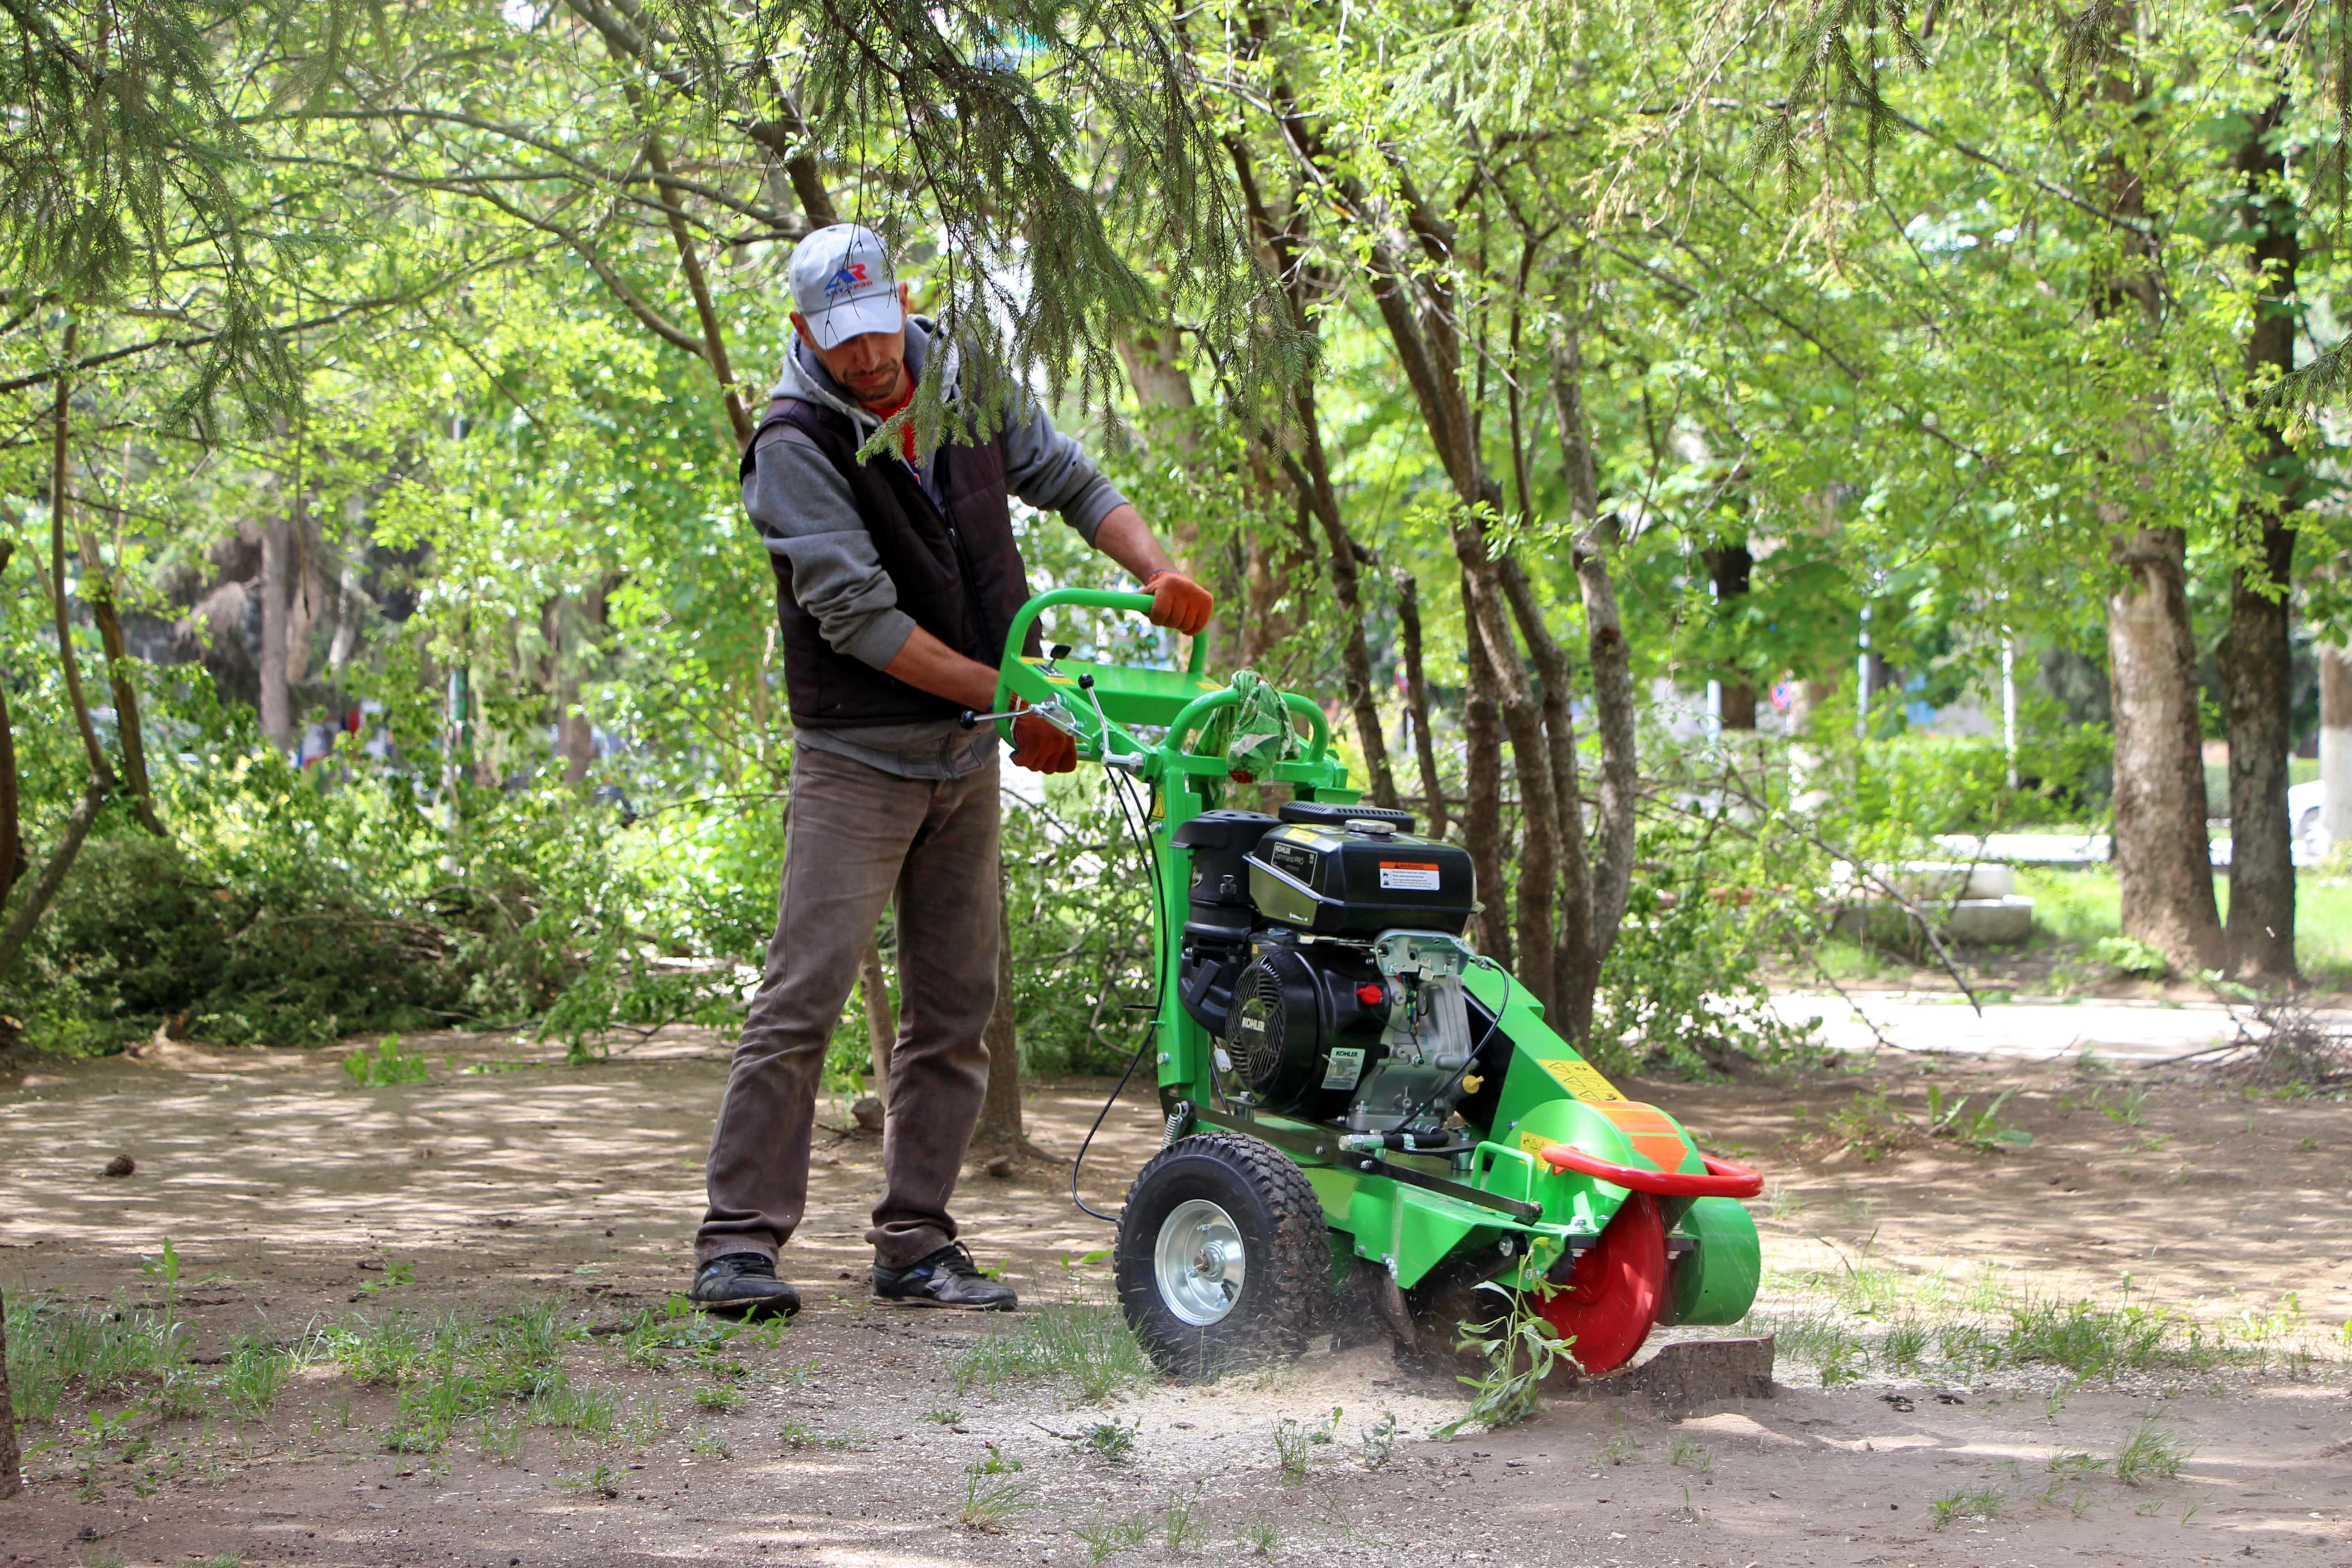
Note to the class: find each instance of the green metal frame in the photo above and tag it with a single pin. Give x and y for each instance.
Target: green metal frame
(1405, 1213)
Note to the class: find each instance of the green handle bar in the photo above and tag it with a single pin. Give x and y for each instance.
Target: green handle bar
(1318, 729)
(1093, 598)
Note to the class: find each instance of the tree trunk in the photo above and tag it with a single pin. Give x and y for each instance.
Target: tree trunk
(1424, 744)
(881, 1020)
(2334, 748)
(97, 580)
(1732, 567)
(1571, 950)
(12, 824)
(2254, 657)
(277, 585)
(576, 733)
(101, 772)
(44, 890)
(1482, 783)
(12, 1471)
(1000, 1131)
(1314, 480)
(2162, 859)
(1533, 927)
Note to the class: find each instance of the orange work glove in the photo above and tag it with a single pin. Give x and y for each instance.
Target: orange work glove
(1042, 747)
(1178, 601)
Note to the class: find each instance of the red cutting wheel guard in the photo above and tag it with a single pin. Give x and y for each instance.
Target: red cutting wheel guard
(1614, 1293)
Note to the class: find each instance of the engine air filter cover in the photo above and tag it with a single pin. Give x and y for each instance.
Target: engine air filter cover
(1361, 879)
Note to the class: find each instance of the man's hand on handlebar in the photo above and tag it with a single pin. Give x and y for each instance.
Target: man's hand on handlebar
(1042, 746)
(1178, 603)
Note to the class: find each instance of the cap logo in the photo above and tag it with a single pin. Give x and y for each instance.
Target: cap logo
(851, 277)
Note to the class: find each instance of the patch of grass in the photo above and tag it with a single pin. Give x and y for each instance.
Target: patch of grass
(1829, 1344)
(587, 1411)
(1376, 1445)
(2074, 1466)
(1259, 1536)
(2095, 1342)
(388, 1065)
(255, 1374)
(1690, 1454)
(1970, 1503)
(1086, 1349)
(448, 1368)
(718, 1397)
(1906, 1346)
(711, 1445)
(1616, 1449)
(1185, 1520)
(797, 1437)
(1295, 1443)
(100, 1351)
(1111, 1440)
(944, 1417)
(395, 1275)
(656, 1334)
(503, 1437)
(2150, 1452)
(1107, 1538)
(989, 1501)
(1867, 1127)
(603, 1482)
(1982, 1130)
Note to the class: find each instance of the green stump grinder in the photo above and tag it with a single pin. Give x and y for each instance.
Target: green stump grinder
(1364, 1114)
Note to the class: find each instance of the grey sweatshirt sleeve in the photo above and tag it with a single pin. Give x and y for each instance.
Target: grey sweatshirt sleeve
(1053, 473)
(802, 509)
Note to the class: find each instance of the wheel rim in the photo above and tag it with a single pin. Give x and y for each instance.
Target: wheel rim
(1198, 1262)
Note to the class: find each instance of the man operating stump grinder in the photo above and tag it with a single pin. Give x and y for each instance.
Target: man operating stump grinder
(897, 579)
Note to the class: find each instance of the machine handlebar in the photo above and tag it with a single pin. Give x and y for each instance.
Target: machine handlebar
(1091, 598)
(1722, 1180)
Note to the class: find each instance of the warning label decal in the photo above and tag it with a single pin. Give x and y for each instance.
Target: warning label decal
(1413, 875)
(1580, 1079)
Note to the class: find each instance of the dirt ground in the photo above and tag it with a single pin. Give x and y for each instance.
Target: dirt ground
(297, 1199)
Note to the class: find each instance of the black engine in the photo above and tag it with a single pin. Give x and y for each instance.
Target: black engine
(1321, 952)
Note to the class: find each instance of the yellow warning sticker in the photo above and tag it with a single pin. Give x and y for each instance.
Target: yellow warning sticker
(1580, 1079)
(1536, 1142)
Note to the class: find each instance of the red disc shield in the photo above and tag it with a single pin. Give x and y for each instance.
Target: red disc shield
(1614, 1294)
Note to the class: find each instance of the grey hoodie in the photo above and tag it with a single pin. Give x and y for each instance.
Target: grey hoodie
(806, 517)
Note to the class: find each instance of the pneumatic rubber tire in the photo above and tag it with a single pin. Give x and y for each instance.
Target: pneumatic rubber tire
(1247, 1196)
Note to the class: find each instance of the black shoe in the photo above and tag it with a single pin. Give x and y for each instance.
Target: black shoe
(948, 1278)
(744, 1285)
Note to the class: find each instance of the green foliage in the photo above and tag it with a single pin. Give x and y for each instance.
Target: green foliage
(2132, 956)
(1982, 1130)
(388, 1063)
(1295, 1443)
(2150, 1452)
(1519, 1348)
(1087, 1351)
(1967, 1502)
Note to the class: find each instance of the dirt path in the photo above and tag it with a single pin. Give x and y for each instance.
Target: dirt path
(296, 1200)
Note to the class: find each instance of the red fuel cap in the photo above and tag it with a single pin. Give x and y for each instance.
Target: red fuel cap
(1371, 995)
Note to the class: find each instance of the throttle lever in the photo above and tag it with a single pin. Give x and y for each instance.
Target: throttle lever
(1054, 713)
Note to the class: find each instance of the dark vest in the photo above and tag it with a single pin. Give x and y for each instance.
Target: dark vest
(958, 575)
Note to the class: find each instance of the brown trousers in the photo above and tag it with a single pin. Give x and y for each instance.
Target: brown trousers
(856, 835)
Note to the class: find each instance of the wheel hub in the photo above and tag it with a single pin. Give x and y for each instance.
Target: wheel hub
(1198, 1262)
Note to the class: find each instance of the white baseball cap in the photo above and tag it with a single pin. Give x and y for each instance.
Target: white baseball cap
(843, 284)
